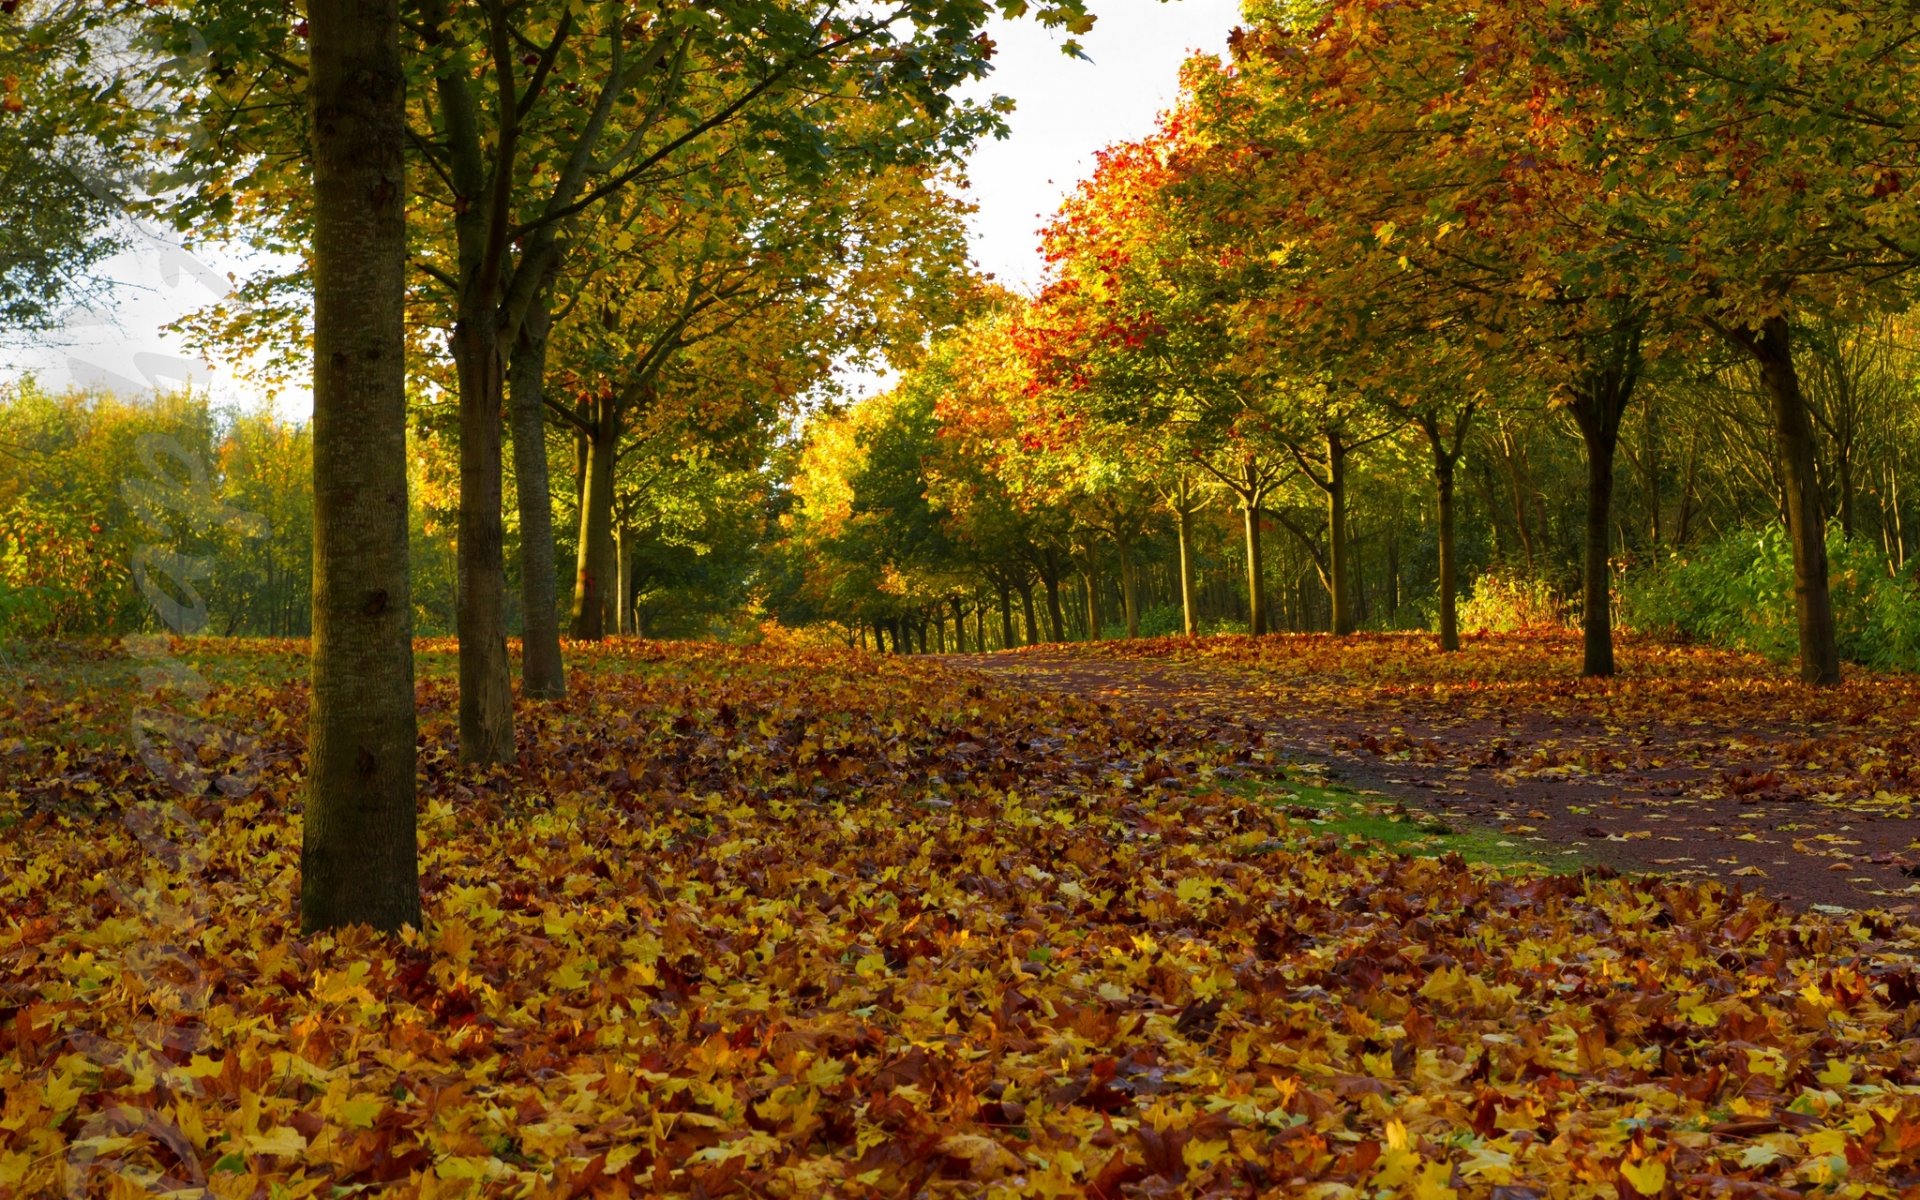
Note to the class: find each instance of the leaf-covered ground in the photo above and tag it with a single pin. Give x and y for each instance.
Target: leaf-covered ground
(1690, 762)
(785, 923)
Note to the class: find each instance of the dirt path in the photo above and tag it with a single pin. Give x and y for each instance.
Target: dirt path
(1686, 797)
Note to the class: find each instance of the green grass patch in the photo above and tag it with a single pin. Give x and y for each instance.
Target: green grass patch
(1369, 821)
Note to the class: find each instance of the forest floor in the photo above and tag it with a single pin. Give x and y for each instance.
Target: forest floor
(797, 922)
(1689, 762)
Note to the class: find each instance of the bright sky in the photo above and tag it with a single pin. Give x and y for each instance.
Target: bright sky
(1066, 110)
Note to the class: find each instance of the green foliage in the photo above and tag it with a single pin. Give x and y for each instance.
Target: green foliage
(1738, 591)
(1165, 620)
(216, 504)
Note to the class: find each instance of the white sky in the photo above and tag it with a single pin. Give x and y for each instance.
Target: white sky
(1066, 110)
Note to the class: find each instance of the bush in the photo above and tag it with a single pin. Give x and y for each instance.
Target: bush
(1509, 603)
(1738, 592)
(1168, 620)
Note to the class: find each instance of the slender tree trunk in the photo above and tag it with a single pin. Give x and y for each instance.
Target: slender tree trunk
(1771, 345)
(1597, 617)
(623, 571)
(1189, 619)
(1056, 620)
(594, 574)
(1337, 549)
(1449, 583)
(486, 695)
(1006, 617)
(1256, 600)
(1093, 604)
(1026, 610)
(1393, 577)
(542, 670)
(980, 621)
(1129, 587)
(959, 625)
(358, 855)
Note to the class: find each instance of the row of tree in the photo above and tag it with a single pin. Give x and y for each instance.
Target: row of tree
(1400, 234)
(647, 228)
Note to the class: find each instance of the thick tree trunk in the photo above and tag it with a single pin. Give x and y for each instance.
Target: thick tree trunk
(1026, 610)
(358, 854)
(542, 670)
(595, 567)
(1189, 619)
(1256, 601)
(1337, 547)
(1449, 583)
(1771, 345)
(959, 625)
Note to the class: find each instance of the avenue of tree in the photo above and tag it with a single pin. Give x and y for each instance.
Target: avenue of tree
(1403, 316)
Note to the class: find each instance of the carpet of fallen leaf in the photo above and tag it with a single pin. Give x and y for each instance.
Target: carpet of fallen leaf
(780, 922)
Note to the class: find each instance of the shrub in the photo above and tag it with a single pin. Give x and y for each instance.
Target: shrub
(1501, 603)
(1738, 591)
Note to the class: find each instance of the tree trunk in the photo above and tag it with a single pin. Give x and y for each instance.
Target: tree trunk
(623, 572)
(486, 694)
(1189, 619)
(1050, 578)
(959, 625)
(358, 853)
(542, 670)
(1601, 395)
(1339, 585)
(1256, 602)
(1129, 587)
(1026, 610)
(1093, 604)
(1771, 345)
(1006, 617)
(595, 567)
(1449, 584)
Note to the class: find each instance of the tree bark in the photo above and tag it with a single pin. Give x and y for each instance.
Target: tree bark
(486, 694)
(359, 854)
(1050, 577)
(595, 567)
(1006, 617)
(1129, 587)
(1093, 605)
(543, 673)
(1449, 583)
(1189, 620)
(1027, 611)
(1337, 548)
(1600, 399)
(959, 625)
(1772, 347)
(623, 573)
(1256, 601)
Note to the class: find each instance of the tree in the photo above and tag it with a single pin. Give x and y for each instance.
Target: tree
(358, 858)
(61, 152)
